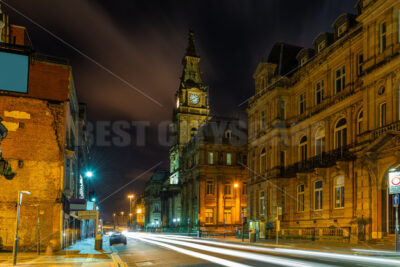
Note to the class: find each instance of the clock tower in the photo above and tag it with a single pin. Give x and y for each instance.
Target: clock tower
(191, 107)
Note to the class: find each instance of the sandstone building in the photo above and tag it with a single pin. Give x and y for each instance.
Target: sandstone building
(323, 130)
(214, 176)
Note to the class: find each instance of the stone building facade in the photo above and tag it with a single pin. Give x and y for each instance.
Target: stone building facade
(152, 199)
(324, 130)
(41, 148)
(214, 177)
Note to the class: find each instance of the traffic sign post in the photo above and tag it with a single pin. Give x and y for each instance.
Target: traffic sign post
(396, 232)
(394, 189)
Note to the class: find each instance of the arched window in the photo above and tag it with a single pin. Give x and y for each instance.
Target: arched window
(320, 142)
(300, 198)
(339, 192)
(360, 118)
(318, 195)
(262, 160)
(303, 151)
(228, 134)
(341, 134)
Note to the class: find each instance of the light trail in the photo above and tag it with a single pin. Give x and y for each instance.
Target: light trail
(233, 253)
(292, 252)
(195, 254)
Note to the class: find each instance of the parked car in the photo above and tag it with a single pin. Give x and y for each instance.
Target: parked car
(118, 238)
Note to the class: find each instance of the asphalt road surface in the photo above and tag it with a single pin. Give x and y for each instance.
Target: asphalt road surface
(170, 250)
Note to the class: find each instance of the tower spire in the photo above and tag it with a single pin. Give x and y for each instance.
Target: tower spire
(191, 50)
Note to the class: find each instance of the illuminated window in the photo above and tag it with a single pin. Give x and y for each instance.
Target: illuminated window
(262, 203)
(228, 159)
(209, 216)
(318, 195)
(228, 216)
(339, 192)
(382, 37)
(228, 189)
(302, 103)
(341, 134)
(300, 198)
(382, 114)
(210, 187)
(319, 92)
(320, 142)
(210, 158)
(339, 79)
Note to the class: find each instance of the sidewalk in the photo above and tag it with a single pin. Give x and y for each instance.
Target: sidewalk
(82, 253)
(326, 246)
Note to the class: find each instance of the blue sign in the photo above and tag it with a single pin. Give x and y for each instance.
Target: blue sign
(14, 70)
(396, 200)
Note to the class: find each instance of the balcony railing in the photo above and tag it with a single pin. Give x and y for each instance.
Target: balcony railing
(325, 160)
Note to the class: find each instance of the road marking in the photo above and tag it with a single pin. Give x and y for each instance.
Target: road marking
(196, 254)
(116, 259)
(304, 253)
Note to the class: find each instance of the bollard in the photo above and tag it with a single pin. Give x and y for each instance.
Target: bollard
(98, 243)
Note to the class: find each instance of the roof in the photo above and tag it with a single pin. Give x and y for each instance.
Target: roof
(284, 56)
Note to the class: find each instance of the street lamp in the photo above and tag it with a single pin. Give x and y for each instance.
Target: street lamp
(131, 196)
(88, 174)
(114, 220)
(15, 251)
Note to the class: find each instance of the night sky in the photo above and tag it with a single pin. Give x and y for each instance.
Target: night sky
(143, 42)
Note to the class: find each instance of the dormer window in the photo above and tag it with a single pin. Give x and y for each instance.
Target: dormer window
(341, 30)
(303, 61)
(321, 46)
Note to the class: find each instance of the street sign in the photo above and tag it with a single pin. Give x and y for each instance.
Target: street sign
(394, 183)
(396, 201)
(87, 214)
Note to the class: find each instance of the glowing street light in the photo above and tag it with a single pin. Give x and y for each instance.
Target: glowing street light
(89, 174)
(93, 199)
(236, 185)
(139, 211)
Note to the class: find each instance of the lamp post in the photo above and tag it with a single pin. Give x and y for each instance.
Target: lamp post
(114, 219)
(236, 186)
(88, 174)
(15, 250)
(131, 196)
(122, 216)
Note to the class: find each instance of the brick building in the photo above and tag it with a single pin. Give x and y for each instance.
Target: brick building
(324, 130)
(45, 125)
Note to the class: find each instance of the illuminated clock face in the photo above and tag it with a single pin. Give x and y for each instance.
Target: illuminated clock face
(194, 99)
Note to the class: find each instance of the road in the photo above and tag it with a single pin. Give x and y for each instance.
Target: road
(170, 250)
